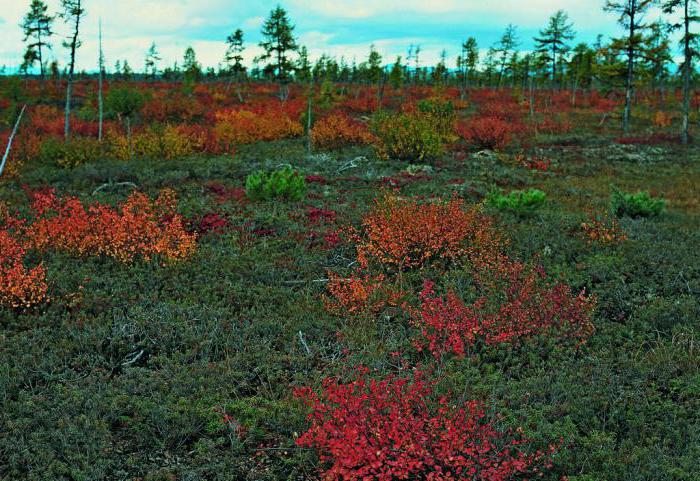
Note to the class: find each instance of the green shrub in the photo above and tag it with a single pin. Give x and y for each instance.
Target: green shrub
(406, 136)
(285, 183)
(518, 201)
(124, 102)
(76, 151)
(640, 204)
(442, 115)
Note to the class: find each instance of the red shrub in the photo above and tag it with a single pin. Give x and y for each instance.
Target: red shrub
(395, 428)
(486, 132)
(316, 215)
(318, 179)
(211, 222)
(518, 303)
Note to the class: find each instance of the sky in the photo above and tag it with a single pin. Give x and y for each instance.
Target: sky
(336, 27)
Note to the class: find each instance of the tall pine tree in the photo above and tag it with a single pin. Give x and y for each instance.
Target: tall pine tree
(36, 26)
(277, 44)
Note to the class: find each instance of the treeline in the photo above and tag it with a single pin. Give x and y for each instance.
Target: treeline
(642, 57)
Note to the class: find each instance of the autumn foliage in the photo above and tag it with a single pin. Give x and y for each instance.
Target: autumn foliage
(19, 287)
(603, 230)
(517, 302)
(138, 228)
(402, 234)
(338, 130)
(359, 294)
(236, 127)
(487, 132)
(398, 428)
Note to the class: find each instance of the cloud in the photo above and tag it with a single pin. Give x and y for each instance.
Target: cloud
(340, 28)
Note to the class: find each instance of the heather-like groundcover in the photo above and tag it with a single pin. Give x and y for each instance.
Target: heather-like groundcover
(427, 285)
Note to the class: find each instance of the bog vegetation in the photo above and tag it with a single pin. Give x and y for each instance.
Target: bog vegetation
(353, 271)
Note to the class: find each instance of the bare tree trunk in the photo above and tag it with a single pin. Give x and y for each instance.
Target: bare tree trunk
(308, 117)
(630, 77)
(9, 140)
(100, 102)
(71, 70)
(128, 137)
(686, 75)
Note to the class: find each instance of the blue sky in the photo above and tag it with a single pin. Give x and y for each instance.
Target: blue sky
(340, 27)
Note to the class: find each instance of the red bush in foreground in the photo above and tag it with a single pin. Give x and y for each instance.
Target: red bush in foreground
(395, 428)
(19, 287)
(518, 303)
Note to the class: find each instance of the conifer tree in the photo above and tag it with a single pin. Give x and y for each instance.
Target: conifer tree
(553, 40)
(36, 26)
(631, 17)
(277, 44)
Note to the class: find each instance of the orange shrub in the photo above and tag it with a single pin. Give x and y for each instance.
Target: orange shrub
(19, 287)
(662, 119)
(403, 234)
(236, 127)
(338, 130)
(140, 227)
(359, 294)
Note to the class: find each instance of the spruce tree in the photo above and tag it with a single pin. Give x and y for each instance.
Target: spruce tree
(36, 26)
(277, 44)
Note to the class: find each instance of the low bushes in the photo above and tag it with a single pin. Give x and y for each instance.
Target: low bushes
(337, 130)
(399, 428)
(406, 136)
(138, 228)
(640, 204)
(285, 183)
(157, 142)
(487, 132)
(403, 234)
(517, 302)
(236, 127)
(76, 151)
(518, 201)
(19, 287)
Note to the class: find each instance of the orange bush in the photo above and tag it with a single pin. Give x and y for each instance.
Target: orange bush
(337, 130)
(359, 294)
(19, 287)
(404, 233)
(140, 227)
(236, 127)
(662, 119)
